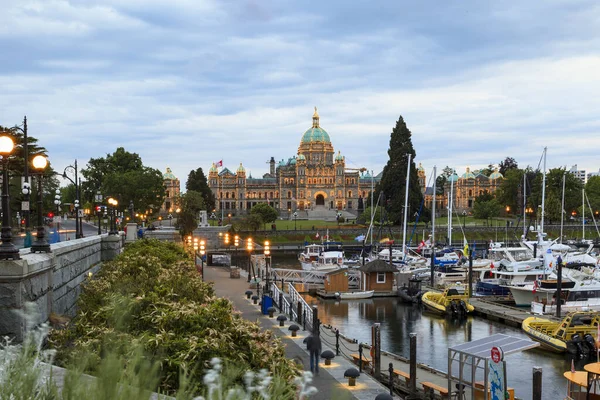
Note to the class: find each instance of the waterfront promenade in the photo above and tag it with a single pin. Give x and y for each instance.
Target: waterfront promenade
(330, 382)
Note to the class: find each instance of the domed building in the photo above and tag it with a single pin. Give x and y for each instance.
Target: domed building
(314, 179)
(172, 191)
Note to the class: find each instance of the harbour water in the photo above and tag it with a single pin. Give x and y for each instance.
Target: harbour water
(434, 335)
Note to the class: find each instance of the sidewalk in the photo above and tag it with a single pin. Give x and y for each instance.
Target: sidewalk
(330, 382)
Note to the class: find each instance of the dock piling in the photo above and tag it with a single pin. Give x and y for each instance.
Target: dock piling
(537, 383)
(413, 364)
(391, 371)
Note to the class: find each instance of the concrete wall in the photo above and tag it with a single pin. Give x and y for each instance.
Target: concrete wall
(50, 280)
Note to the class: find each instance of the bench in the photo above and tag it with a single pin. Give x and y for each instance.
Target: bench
(403, 374)
(432, 387)
(356, 358)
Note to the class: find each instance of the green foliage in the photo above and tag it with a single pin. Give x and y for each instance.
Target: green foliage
(486, 206)
(152, 295)
(592, 190)
(266, 213)
(123, 176)
(197, 182)
(510, 191)
(506, 165)
(393, 178)
(191, 203)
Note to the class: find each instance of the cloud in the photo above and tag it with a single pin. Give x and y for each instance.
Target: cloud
(185, 83)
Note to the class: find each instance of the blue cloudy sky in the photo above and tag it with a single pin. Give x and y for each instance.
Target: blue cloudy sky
(188, 82)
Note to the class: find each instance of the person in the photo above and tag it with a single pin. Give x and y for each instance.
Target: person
(313, 344)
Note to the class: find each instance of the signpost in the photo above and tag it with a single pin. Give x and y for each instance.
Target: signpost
(497, 374)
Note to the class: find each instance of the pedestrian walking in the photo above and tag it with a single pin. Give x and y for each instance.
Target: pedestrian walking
(313, 344)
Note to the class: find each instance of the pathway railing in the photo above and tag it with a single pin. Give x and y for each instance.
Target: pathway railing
(304, 310)
(284, 305)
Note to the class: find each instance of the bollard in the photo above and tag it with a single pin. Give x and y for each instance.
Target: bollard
(376, 350)
(280, 302)
(337, 342)
(360, 354)
(391, 371)
(413, 364)
(537, 383)
(299, 312)
(315, 321)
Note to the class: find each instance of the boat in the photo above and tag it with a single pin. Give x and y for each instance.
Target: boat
(576, 333)
(411, 293)
(367, 294)
(449, 302)
(309, 255)
(583, 295)
(330, 256)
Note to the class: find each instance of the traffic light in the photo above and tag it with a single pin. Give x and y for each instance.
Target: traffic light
(50, 215)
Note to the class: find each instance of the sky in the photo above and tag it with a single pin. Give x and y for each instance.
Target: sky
(185, 83)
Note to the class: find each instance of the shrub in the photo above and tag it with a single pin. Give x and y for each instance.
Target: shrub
(152, 296)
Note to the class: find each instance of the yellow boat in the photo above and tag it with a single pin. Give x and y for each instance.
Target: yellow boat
(449, 302)
(576, 333)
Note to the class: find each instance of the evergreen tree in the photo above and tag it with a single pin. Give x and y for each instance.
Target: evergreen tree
(393, 179)
(197, 182)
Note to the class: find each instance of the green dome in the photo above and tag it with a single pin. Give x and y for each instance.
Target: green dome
(468, 174)
(301, 157)
(169, 175)
(315, 134)
(496, 175)
(339, 156)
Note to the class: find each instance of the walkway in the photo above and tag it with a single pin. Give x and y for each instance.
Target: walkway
(330, 382)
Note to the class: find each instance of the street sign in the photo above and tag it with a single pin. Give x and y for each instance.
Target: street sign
(80, 213)
(24, 206)
(497, 354)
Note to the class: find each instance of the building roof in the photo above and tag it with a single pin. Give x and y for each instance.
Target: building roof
(169, 175)
(315, 133)
(496, 174)
(378, 266)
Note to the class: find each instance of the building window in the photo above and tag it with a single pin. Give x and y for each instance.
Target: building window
(349, 204)
(227, 195)
(381, 277)
(339, 193)
(241, 205)
(349, 193)
(320, 181)
(289, 194)
(270, 195)
(233, 195)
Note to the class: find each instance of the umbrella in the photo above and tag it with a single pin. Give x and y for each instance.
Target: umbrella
(360, 238)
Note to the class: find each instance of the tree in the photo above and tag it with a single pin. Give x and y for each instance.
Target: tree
(122, 175)
(488, 170)
(486, 207)
(511, 190)
(197, 182)
(393, 178)
(191, 204)
(508, 164)
(592, 190)
(266, 213)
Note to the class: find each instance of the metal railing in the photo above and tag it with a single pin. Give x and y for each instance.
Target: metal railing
(304, 309)
(285, 307)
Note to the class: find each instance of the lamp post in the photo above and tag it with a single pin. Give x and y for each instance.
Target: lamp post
(8, 251)
(57, 202)
(39, 163)
(26, 189)
(464, 214)
(267, 290)
(249, 248)
(76, 183)
(295, 219)
(98, 199)
(202, 252)
(113, 223)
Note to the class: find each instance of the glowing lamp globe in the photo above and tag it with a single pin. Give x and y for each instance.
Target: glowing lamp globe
(39, 162)
(6, 145)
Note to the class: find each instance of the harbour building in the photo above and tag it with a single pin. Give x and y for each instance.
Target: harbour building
(315, 183)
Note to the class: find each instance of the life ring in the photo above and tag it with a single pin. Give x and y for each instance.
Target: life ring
(372, 351)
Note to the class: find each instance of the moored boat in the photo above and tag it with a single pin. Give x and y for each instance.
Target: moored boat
(575, 333)
(367, 294)
(449, 302)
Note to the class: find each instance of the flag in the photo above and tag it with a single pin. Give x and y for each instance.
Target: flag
(421, 245)
(492, 265)
(317, 235)
(466, 248)
(535, 286)
(219, 163)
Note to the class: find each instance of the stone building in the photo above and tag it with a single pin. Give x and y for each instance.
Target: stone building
(467, 187)
(312, 181)
(172, 192)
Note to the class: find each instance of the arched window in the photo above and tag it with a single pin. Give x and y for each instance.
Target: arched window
(289, 194)
(168, 194)
(286, 181)
(260, 195)
(233, 195)
(320, 181)
(349, 193)
(470, 193)
(227, 195)
(339, 193)
(309, 181)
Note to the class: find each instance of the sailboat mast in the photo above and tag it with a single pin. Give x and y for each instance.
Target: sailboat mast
(524, 204)
(450, 208)
(583, 213)
(405, 209)
(562, 207)
(541, 233)
(433, 209)
(372, 210)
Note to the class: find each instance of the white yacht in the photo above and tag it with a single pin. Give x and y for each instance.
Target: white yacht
(309, 255)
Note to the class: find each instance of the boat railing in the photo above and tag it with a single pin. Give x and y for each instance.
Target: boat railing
(303, 308)
(285, 306)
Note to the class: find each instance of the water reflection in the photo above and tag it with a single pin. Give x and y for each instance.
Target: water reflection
(435, 334)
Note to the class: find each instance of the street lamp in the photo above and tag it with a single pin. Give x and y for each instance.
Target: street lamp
(295, 218)
(57, 202)
(202, 252)
(7, 248)
(98, 199)
(76, 183)
(26, 189)
(113, 224)
(464, 214)
(249, 246)
(39, 163)
(267, 262)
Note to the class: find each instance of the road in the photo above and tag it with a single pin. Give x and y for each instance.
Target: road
(67, 231)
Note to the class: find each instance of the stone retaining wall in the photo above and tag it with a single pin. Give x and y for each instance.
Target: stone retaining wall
(50, 280)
